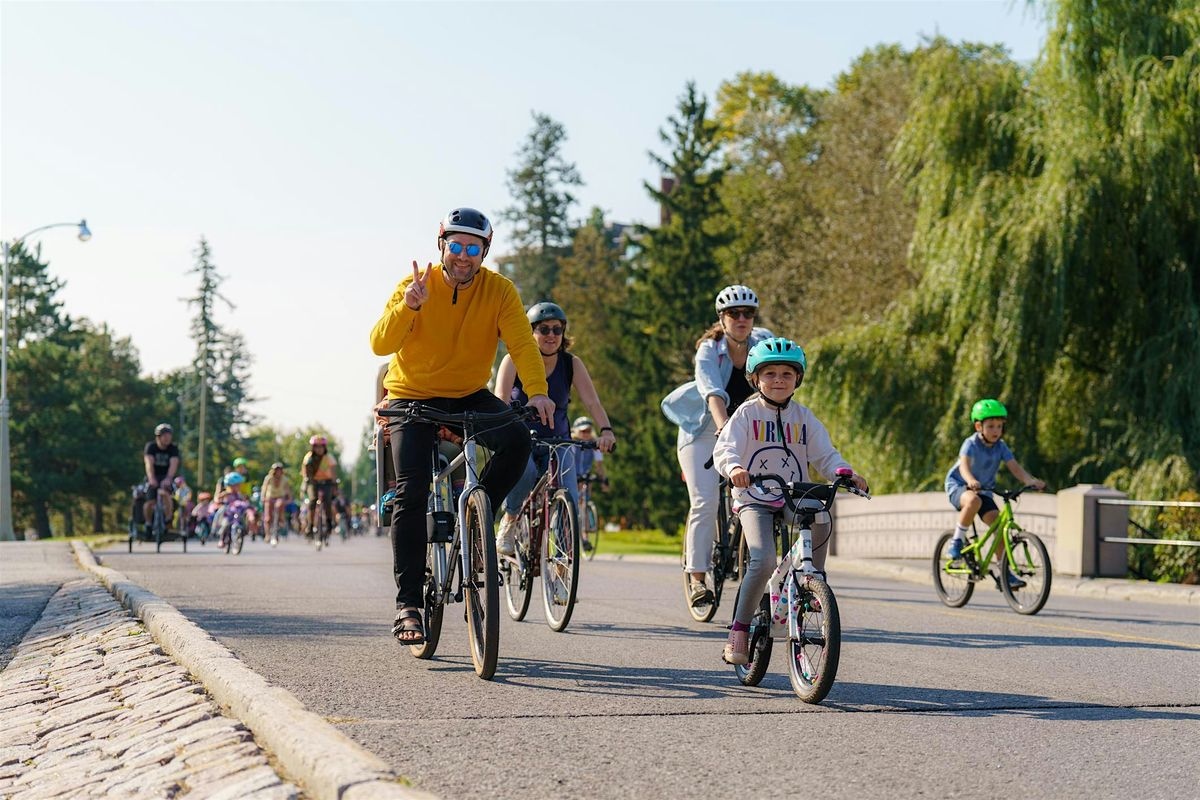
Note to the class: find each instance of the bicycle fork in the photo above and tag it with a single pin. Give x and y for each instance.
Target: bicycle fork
(784, 587)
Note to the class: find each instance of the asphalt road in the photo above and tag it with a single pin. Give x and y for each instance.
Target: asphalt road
(1088, 699)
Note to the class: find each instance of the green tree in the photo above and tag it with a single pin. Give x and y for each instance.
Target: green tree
(34, 308)
(222, 365)
(1057, 240)
(674, 279)
(540, 187)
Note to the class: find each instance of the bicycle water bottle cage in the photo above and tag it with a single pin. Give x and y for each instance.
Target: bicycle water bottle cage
(439, 526)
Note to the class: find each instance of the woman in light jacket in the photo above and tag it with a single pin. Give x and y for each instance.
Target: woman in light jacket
(701, 408)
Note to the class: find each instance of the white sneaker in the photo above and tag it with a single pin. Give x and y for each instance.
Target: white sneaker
(506, 540)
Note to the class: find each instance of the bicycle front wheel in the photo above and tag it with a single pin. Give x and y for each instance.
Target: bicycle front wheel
(518, 577)
(752, 673)
(432, 613)
(952, 584)
(705, 610)
(482, 585)
(813, 656)
(560, 561)
(1025, 581)
(592, 531)
(238, 539)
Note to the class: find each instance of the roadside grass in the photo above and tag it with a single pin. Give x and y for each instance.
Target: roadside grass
(639, 542)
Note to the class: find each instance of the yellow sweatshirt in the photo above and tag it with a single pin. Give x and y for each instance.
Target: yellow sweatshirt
(446, 349)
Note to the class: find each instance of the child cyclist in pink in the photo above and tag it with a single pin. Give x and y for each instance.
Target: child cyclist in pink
(771, 433)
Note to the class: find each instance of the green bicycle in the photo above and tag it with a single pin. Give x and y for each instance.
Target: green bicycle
(1025, 571)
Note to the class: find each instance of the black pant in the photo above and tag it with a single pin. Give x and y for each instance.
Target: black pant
(413, 446)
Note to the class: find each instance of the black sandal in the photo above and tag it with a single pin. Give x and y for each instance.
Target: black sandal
(408, 620)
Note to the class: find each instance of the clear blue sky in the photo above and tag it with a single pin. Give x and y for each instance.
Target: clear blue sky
(317, 145)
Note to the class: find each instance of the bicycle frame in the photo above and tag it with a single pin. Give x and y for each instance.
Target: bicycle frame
(536, 506)
(999, 533)
(442, 496)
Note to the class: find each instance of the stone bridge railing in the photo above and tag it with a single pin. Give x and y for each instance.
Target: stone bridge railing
(908, 526)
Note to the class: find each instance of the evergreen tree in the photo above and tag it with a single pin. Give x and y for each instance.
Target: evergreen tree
(674, 280)
(540, 187)
(34, 309)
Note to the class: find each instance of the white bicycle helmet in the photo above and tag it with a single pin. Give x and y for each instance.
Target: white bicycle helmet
(736, 296)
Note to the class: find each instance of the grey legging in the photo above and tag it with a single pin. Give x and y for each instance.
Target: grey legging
(756, 528)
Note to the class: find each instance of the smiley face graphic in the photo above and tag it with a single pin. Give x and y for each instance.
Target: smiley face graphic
(774, 460)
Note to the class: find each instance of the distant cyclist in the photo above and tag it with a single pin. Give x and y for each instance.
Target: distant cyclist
(318, 479)
(276, 493)
(441, 327)
(160, 459)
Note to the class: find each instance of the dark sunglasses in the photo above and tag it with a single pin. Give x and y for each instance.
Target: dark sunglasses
(741, 313)
(550, 330)
(457, 249)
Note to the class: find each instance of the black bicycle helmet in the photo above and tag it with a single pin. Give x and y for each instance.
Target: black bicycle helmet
(466, 220)
(540, 312)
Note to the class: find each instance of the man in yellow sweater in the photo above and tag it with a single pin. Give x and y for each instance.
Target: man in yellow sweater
(441, 328)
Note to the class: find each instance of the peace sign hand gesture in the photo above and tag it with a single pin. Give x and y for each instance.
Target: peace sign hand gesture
(417, 293)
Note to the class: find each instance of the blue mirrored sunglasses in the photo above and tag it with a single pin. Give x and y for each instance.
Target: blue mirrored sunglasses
(457, 249)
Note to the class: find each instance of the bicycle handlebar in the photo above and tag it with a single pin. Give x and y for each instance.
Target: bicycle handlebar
(799, 490)
(555, 441)
(425, 413)
(1013, 494)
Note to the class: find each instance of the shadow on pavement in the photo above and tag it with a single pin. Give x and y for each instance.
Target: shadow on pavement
(866, 697)
(259, 624)
(623, 681)
(988, 641)
(618, 631)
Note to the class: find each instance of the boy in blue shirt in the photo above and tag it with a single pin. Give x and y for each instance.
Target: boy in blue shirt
(970, 482)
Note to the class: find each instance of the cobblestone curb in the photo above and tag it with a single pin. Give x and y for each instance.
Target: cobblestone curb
(326, 762)
(91, 707)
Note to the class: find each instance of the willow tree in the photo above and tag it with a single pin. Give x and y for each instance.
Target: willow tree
(1058, 242)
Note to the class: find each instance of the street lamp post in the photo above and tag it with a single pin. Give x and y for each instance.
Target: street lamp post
(6, 516)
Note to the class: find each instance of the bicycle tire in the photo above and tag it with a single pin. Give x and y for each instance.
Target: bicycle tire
(158, 527)
(132, 534)
(433, 611)
(238, 534)
(592, 522)
(518, 576)
(226, 536)
(322, 525)
(951, 590)
(1027, 550)
(560, 556)
(701, 613)
(761, 643)
(812, 678)
(481, 590)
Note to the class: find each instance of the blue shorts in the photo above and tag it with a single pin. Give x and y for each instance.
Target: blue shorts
(955, 494)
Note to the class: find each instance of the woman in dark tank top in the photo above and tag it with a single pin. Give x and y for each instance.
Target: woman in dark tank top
(564, 371)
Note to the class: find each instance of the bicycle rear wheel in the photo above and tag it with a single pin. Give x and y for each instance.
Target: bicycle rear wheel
(953, 588)
(592, 531)
(160, 527)
(517, 573)
(813, 657)
(432, 613)
(1031, 565)
(751, 673)
(322, 525)
(482, 586)
(560, 561)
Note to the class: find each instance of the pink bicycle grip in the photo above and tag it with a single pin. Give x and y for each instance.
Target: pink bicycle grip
(844, 472)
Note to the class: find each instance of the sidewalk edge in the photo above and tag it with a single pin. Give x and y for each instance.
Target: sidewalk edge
(326, 762)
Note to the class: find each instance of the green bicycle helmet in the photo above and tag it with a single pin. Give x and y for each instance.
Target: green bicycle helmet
(776, 350)
(240, 462)
(988, 409)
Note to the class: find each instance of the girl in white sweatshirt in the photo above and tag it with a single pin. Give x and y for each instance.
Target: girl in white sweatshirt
(771, 433)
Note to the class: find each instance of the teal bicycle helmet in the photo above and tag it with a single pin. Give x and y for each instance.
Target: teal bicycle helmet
(988, 409)
(234, 479)
(776, 350)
